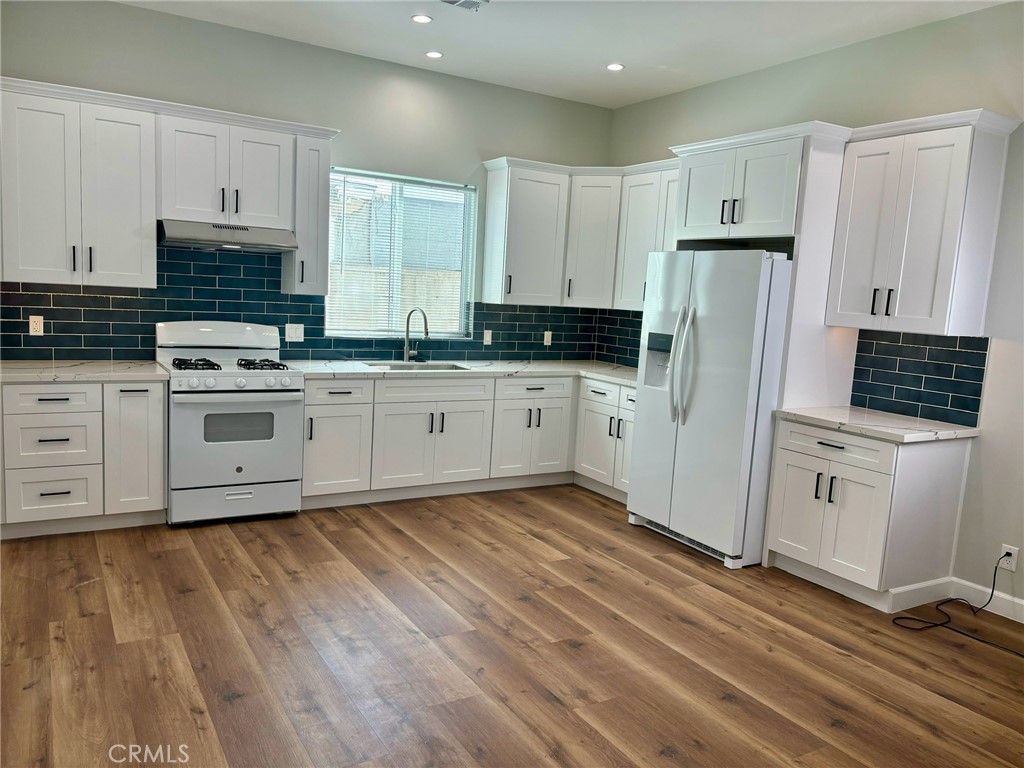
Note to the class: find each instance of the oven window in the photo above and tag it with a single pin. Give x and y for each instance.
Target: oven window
(238, 427)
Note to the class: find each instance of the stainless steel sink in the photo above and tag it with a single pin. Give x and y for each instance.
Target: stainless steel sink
(389, 365)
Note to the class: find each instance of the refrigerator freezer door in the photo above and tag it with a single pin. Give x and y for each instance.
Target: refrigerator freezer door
(650, 479)
(719, 379)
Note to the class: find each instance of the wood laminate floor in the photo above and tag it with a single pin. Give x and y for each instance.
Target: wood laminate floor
(516, 628)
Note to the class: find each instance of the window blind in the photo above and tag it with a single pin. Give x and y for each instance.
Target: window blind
(398, 243)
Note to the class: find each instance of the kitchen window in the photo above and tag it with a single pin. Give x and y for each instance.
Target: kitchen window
(398, 243)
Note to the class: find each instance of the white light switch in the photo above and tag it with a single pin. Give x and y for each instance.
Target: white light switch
(547, 338)
(35, 325)
(294, 332)
(488, 336)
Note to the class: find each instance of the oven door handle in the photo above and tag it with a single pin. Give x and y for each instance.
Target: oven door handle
(229, 398)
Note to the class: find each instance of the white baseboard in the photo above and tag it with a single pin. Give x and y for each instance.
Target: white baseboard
(81, 524)
(598, 487)
(1003, 604)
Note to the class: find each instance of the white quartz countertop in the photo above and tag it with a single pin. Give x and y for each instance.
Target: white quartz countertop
(340, 369)
(878, 424)
(32, 371)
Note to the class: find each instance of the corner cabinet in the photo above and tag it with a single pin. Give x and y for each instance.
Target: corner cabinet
(915, 232)
(78, 193)
(592, 238)
(748, 191)
(604, 432)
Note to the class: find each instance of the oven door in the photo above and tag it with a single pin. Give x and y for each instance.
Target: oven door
(234, 438)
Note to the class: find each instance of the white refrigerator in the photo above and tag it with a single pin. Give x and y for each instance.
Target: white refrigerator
(710, 360)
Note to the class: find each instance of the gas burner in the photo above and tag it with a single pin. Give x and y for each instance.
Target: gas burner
(194, 364)
(251, 364)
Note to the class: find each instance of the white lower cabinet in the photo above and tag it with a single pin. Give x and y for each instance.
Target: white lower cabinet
(531, 437)
(624, 450)
(53, 493)
(134, 447)
(463, 441)
(336, 454)
(604, 432)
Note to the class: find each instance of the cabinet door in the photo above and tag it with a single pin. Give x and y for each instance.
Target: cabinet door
(134, 447)
(118, 197)
(403, 445)
(194, 162)
(705, 191)
(864, 229)
(623, 449)
(796, 505)
(535, 237)
(42, 193)
(929, 212)
(765, 185)
(590, 251)
(262, 178)
(306, 270)
(552, 420)
(463, 445)
(639, 234)
(336, 455)
(513, 439)
(668, 210)
(855, 524)
(595, 441)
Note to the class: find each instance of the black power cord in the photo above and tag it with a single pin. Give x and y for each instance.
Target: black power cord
(921, 625)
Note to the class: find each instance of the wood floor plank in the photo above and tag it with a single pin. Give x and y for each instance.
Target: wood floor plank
(25, 711)
(161, 537)
(225, 558)
(138, 608)
(24, 623)
(492, 739)
(75, 587)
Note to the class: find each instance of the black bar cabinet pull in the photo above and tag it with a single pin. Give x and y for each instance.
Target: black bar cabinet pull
(535, 389)
(223, 199)
(599, 392)
(888, 301)
(430, 429)
(832, 445)
(339, 392)
(630, 399)
(310, 427)
(302, 270)
(611, 426)
(53, 399)
(644, 296)
(236, 201)
(538, 418)
(54, 440)
(74, 258)
(55, 493)
(134, 391)
(817, 485)
(441, 428)
(874, 298)
(722, 219)
(618, 430)
(529, 418)
(569, 292)
(732, 215)
(508, 288)
(831, 487)
(90, 258)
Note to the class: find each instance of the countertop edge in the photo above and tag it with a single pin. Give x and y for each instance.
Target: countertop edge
(892, 434)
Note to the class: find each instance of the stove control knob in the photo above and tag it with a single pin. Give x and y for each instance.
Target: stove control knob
(240, 383)
(271, 381)
(286, 382)
(211, 383)
(193, 383)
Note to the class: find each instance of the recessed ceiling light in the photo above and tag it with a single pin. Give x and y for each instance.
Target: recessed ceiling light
(434, 54)
(422, 18)
(616, 67)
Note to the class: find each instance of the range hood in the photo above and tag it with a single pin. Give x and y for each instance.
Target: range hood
(227, 237)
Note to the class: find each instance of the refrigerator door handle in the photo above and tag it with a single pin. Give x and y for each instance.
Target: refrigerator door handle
(672, 410)
(682, 361)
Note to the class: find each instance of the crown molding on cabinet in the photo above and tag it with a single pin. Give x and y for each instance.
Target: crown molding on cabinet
(983, 119)
(500, 163)
(813, 128)
(86, 95)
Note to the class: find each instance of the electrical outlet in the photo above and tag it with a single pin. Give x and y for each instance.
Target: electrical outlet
(488, 338)
(547, 338)
(35, 325)
(1009, 563)
(294, 332)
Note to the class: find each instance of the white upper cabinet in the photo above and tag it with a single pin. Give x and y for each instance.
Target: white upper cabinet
(524, 234)
(305, 271)
(218, 173)
(590, 251)
(747, 191)
(79, 202)
(647, 222)
(916, 225)
(668, 210)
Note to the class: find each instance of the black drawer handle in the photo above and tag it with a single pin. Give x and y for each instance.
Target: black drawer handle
(535, 389)
(832, 445)
(630, 399)
(831, 487)
(599, 392)
(135, 391)
(611, 426)
(56, 493)
(817, 485)
(339, 392)
(874, 299)
(54, 440)
(53, 399)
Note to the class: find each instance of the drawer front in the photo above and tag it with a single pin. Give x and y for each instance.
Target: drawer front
(53, 440)
(853, 450)
(53, 493)
(599, 391)
(52, 398)
(516, 388)
(627, 398)
(233, 501)
(409, 390)
(338, 391)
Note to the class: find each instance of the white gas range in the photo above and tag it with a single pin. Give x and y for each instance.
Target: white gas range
(234, 421)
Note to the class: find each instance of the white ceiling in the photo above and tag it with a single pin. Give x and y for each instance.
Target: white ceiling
(560, 47)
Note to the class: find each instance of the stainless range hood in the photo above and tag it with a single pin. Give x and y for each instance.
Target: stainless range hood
(229, 237)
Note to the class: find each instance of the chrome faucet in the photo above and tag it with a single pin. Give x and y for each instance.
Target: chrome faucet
(411, 354)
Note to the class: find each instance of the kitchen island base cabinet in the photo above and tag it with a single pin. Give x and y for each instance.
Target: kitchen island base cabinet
(134, 439)
(336, 453)
(531, 437)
